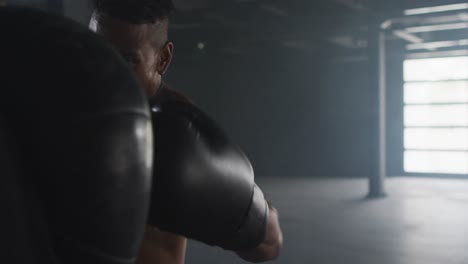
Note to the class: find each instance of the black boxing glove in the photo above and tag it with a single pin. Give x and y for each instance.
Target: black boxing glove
(203, 186)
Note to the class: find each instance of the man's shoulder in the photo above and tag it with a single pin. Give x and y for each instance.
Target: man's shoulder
(166, 94)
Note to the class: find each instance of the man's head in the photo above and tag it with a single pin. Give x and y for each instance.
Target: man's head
(139, 30)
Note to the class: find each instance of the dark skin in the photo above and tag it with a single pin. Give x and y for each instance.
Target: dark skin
(147, 50)
(145, 47)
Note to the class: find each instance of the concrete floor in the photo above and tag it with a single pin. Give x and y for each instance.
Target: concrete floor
(422, 221)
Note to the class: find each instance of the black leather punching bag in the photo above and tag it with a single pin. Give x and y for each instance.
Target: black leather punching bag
(75, 145)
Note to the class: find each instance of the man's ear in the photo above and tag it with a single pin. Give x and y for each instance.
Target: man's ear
(165, 58)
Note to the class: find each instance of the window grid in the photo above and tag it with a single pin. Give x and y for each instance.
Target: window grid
(436, 116)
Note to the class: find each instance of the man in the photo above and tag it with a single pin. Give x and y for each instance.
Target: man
(139, 30)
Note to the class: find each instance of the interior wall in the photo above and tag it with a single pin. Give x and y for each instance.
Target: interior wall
(41, 4)
(294, 113)
(268, 102)
(347, 123)
(80, 11)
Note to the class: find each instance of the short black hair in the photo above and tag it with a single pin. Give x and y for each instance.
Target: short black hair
(135, 11)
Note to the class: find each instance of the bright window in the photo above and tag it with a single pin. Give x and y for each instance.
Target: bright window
(436, 115)
(437, 69)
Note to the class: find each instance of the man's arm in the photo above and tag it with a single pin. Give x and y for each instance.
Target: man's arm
(207, 184)
(270, 248)
(159, 247)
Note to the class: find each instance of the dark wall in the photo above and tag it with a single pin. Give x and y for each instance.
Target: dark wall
(347, 123)
(78, 10)
(267, 102)
(294, 113)
(41, 4)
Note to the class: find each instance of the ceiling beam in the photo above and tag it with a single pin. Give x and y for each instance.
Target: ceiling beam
(357, 5)
(438, 45)
(410, 21)
(408, 36)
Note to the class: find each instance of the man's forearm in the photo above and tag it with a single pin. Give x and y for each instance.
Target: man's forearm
(270, 248)
(159, 247)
